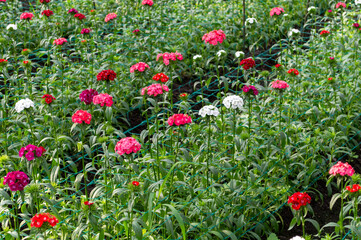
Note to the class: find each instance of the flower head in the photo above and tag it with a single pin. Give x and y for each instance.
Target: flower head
(3, 62)
(155, 89)
(297, 238)
(43, 220)
(79, 16)
(87, 203)
(278, 65)
(31, 151)
(60, 41)
(251, 90)
(279, 84)
(135, 183)
(12, 27)
(47, 13)
(23, 104)
(221, 53)
(341, 5)
(147, 2)
(183, 96)
(169, 56)
(276, 10)
(127, 145)
(103, 99)
(324, 33)
(233, 102)
(26, 16)
(106, 75)
(195, 57)
(209, 110)
(16, 180)
(299, 199)
(44, 1)
(162, 77)
(85, 31)
(294, 32)
(110, 16)
(136, 31)
(341, 169)
(239, 54)
(356, 25)
(179, 119)
(73, 11)
(293, 72)
(214, 37)
(251, 21)
(141, 66)
(355, 188)
(87, 96)
(48, 98)
(81, 116)
(247, 63)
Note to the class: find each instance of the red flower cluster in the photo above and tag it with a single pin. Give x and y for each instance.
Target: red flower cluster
(79, 16)
(43, 218)
(293, 72)
(324, 33)
(48, 98)
(278, 65)
(247, 63)
(135, 183)
(299, 199)
(88, 203)
(161, 76)
(356, 25)
(3, 62)
(81, 116)
(354, 188)
(47, 13)
(44, 1)
(108, 75)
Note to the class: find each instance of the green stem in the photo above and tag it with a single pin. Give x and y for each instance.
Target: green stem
(209, 148)
(83, 163)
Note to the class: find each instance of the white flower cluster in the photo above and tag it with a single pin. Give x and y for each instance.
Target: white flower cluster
(209, 110)
(294, 32)
(22, 104)
(233, 101)
(311, 9)
(221, 52)
(239, 54)
(251, 21)
(297, 238)
(12, 26)
(357, 1)
(196, 57)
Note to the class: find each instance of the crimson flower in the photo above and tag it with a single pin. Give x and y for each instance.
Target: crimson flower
(79, 16)
(106, 75)
(293, 72)
(47, 13)
(299, 199)
(88, 203)
(48, 98)
(135, 183)
(161, 76)
(247, 63)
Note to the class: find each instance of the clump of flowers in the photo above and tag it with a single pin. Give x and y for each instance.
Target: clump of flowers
(81, 116)
(139, 66)
(135, 183)
(214, 37)
(324, 33)
(73, 11)
(43, 220)
(183, 96)
(276, 10)
(169, 56)
(3, 62)
(44, 1)
(25, 52)
(341, 5)
(87, 203)
(16, 180)
(155, 89)
(298, 200)
(136, 31)
(31, 151)
(279, 84)
(110, 16)
(297, 238)
(179, 119)
(103, 99)
(251, 90)
(48, 98)
(47, 13)
(331, 80)
(162, 77)
(233, 102)
(106, 75)
(247, 63)
(341, 169)
(11, 27)
(85, 31)
(23, 104)
(59, 41)
(356, 25)
(293, 72)
(209, 110)
(127, 145)
(147, 2)
(354, 188)
(278, 65)
(87, 96)
(79, 16)
(26, 16)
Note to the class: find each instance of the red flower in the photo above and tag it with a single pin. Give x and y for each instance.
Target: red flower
(324, 33)
(79, 16)
(44, 1)
(42, 218)
(88, 203)
(356, 25)
(108, 75)
(42, 149)
(354, 188)
(48, 98)
(135, 183)
(248, 63)
(47, 13)
(278, 65)
(3, 62)
(293, 71)
(25, 62)
(299, 199)
(161, 76)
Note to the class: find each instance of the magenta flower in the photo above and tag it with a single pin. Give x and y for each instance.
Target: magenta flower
(136, 31)
(29, 152)
(179, 119)
(81, 116)
(276, 10)
(214, 37)
(169, 56)
(85, 31)
(279, 84)
(127, 145)
(103, 99)
(340, 5)
(87, 96)
(73, 11)
(110, 16)
(155, 89)
(252, 90)
(59, 41)
(16, 180)
(26, 16)
(356, 25)
(139, 66)
(147, 2)
(341, 169)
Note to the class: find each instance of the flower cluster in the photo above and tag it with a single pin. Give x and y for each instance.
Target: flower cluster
(139, 66)
(87, 203)
(250, 90)
(162, 77)
(48, 98)
(29, 152)
(299, 199)
(16, 180)
(169, 56)
(103, 99)
(147, 2)
(44, 1)
(136, 31)
(155, 89)
(127, 145)
(233, 102)
(59, 41)
(40, 219)
(25, 52)
(214, 37)
(356, 25)
(85, 31)
(106, 75)
(110, 16)
(12, 27)
(135, 183)
(247, 63)
(87, 96)
(341, 169)
(3, 62)
(209, 110)
(293, 71)
(324, 33)
(47, 13)
(276, 10)
(179, 119)
(73, 11)
(297, 238)
(22, 104)
(79, 16)
(26, 16)
(81, 116)
(354, 188)
(279, 84)
(278, 65)
(340, 5)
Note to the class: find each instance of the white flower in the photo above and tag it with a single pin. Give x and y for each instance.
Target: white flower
(196, 57)
(233, 101)
(294, 32)
(239, 54)
(285, 15)
(312, 9)
(251, 21)
(209, 110)
(22, 104)
(357, 1)
(297, 238)
(221, 52)
(12, 26)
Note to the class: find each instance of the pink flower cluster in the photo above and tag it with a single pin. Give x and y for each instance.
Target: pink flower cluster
(85, 31)
(279, 84)
(179, 119)
(250, 90)
(340, 4)
(127, 145)
(147, 2)
(26, 16)
(276, 10)
(29, 155)
(341, 169)
(87, 96)
(155, 89)
(103, 99)
(214, 37)
(16, 180)
(139, 66)
(81, 116)
(73, 11)
(110, 16)
(59, 41)
(169, 56)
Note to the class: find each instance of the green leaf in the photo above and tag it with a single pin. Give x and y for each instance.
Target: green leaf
(272, 237)
(179, 219)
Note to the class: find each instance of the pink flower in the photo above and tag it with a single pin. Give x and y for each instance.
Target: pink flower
(341, 4)
(28, 151)
(85, 31)
(214, 37)
(136, 31)
(110, 16)
(103, 99)
(279, 84)
(276, 10)
(341, 169)
(87, 96)
(81, 116)
(26, 16)
(127, 145)
(179, 119)
(155, 89)
(16, 180)
(139, 66)
(59, 41)
(169, 56)
(147, 2)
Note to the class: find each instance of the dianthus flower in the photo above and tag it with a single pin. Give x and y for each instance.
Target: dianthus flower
(356, 25)
(276, 10)
(26, 16)
(85, 31)
(278, 65)
(81, 116)
(169, 56)
(106, 75)
(179, 119)
(110, 16)
(209, 110)
(297, 238)
(162, 77)
(279, 84)
(87, 96)
(88, 203)
(3, 62)
(135, 183)
(233, 102)
(103, 99)
(147, 2)
(79, 16)
(127, 145)
(214, 37)
(252, 90)
(155, 89)
(354, 188)
(136, 31)
(43, 220)
(341, 169)
(47, 13)
(324, 33)
(299, 199)
(16, 180)
(293, 71)
(59, 41)
(28, 151)
(340, 5)
(73, 11)
(48, 98)
(247, 63)
(139, 66)
(23, 104)
(44, 1)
